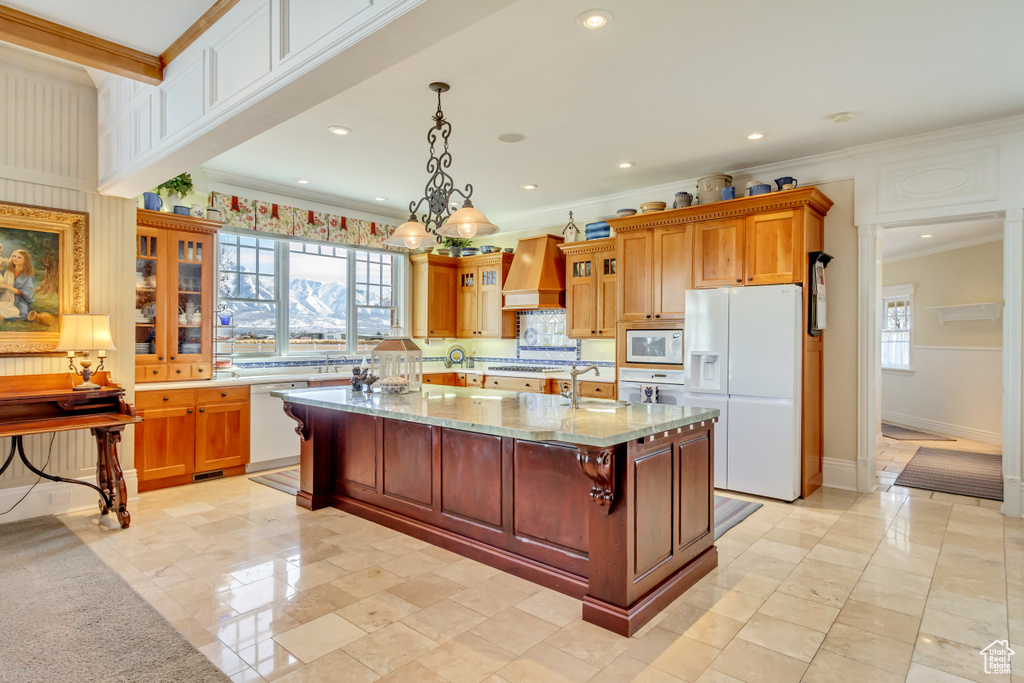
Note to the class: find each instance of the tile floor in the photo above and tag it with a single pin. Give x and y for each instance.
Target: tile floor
(896, 585)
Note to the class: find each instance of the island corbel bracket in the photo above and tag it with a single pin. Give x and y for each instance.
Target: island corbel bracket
(298, 413)
(599, 465)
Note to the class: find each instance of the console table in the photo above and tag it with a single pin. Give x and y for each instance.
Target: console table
(40, 404)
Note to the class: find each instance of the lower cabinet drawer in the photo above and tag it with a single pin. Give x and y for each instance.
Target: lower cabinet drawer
(525, 384)
(173, 398)
(150, 373)
(440, 378)
(222, 394)
(176, 371)
(597, 389)
(202, 371)
(474, 380)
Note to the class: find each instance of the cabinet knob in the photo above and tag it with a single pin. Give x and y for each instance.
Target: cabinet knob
(739, 279)
(178, 371)
(750, 277)
(189, 411)
(200, 370)
(658, 315)
(431, 332)
(592, 332)
(202, 410)
(175, 357)
(156, 372)
(223, 394)
(159, 357)
(167, 398)
(648, 316)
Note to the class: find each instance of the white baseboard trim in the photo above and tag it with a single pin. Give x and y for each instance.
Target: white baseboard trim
(879, 440)
(274, 464)
(839, 474)
(57, 498)
(993, 438)
(1013, 505)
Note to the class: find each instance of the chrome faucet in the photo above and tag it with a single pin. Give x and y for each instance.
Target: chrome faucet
(574, 396)
(326, 367)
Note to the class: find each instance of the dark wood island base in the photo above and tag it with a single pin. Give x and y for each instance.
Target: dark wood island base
(626, 528)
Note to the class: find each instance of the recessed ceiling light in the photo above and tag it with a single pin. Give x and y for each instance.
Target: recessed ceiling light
(380, 199)
(302, 181)
(529, 186)
(927, 235)
(842, 117)
(594, 18)
(511, 137)
(755, 136)
(339, 130)
(626, 164)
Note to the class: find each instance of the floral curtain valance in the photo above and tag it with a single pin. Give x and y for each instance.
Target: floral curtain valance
(240, 212)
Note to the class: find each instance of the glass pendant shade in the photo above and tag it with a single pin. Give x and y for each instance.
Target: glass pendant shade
(467, 223)
(411, 235)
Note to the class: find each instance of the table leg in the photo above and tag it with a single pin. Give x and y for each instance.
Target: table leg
(109, 474)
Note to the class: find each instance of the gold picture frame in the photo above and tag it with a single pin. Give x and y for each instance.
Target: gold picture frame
(58, 272)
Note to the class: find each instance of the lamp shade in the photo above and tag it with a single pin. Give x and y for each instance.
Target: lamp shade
(412, 235)
(85, 332)
(467, 222)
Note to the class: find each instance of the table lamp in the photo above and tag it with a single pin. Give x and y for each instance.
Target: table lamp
(85, 332)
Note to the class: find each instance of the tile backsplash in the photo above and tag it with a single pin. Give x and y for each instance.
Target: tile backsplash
(540, 335)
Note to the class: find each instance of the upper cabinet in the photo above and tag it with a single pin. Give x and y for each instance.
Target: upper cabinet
(175, 264)
(433, 303)
(654, 273)
(718, 259)
(590, 277)
(774, 248)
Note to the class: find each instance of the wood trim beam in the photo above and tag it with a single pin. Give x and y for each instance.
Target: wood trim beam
(193, 32)
(53, 39)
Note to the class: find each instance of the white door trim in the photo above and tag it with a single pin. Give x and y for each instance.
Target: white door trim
(1013, 331)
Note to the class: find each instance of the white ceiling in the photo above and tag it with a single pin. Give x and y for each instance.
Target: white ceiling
(146, 25)
(907, 241)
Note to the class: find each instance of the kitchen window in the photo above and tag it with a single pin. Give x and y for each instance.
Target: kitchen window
(294, 297)
(897, 327)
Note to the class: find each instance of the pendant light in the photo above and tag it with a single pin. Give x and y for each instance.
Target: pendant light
(411, 235)
(467, 222)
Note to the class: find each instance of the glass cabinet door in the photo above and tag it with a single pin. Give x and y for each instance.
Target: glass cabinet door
(192, 297)
(150, 323)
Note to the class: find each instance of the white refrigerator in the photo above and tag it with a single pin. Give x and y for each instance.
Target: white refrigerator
(743, 356)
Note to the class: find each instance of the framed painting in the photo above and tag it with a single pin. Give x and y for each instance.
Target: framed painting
(44, 272)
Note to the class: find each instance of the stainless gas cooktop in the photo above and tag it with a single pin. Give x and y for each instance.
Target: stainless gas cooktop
(522, 368)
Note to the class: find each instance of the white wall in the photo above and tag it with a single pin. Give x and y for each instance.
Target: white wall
(48, 158)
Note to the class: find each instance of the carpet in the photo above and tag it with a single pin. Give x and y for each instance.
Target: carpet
(963, 473)
(728, 511)
(67, 616)
(906, 434)
(285, 480)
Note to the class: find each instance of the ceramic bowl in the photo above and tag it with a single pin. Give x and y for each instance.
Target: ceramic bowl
(509, 250)
(597, 225)
(489, 249)
(599, 234)
(622, 213)
(394, 385)
(470, 251)
(761, 188)
(647, 207)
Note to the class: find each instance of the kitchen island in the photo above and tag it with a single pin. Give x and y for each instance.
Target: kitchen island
(612, 503)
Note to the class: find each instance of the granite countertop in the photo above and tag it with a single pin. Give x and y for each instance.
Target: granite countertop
(537, 417)
(607, 374)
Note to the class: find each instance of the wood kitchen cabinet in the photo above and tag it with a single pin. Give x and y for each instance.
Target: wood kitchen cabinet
(592, 389)
(175, 263)
(655, 270)
(531, 385)
(758, 249)
(187, 433)
(590, 277)
(433, 296)
(479, 302)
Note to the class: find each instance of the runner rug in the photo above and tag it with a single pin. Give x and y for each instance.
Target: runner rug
(964, 473)
(728, 511)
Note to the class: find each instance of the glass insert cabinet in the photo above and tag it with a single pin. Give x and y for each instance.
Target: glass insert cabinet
(175, 264)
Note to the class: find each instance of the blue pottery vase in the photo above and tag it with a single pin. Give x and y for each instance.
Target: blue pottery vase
(181, 210)
(151, 201)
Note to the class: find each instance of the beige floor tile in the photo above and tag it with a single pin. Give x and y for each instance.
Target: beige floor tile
(672, 653)
(514, 630)
(390, 648)
(816, 590)
(223, 657)
(400, 545)
(359, 558)
(589, 643)
(891, 597)
(560, 610)
(634, 671)
(952, 657)
(967, 606)
(780, 551)
(257, 594)
(465, 659)
(444, 620)
(247, 675)
(839, 556)
(367, 582)
(752, 663)
(316, 602)
(869, 648)
(252, 627)
(880, 621)
(425, 590)
(543, 663)
(413, 672)
(792, 537)
(808, 613)
(270, 660)
(762, 564)
(829, 667)
(919, 673)
(782, 636)
(311, 575)
(712, 676)
(911, 583)
(316, 638)
(701, 625)
(749, 583)
(489, 597)
(466, 572)
(729, 603)
(962, 629)
(377, 611)
(187, 509)
(336, 666)
(521, 585)
(849, 543)
(413, 564)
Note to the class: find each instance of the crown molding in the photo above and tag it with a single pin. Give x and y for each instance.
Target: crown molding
(328, 200)
(959, 244)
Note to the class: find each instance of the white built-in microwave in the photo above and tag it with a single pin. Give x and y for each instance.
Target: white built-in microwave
(661, 347)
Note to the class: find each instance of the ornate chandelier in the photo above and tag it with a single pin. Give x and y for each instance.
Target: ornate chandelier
(438, 219)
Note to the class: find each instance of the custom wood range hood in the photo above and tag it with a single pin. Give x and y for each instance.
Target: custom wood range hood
(536, 278)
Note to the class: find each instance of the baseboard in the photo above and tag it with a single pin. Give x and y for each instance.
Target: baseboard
(54, 498)
(839, 474)
(879, 440)
(276, 463)
(1012, 503)
(993, 438)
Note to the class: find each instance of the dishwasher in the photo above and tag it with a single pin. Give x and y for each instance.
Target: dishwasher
(272, 438)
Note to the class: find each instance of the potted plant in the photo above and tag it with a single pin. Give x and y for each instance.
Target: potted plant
(455, 244)
(177, 188)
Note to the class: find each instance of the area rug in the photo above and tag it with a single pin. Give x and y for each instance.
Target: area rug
(906, 434)
(67, 616)
(285, 480)
(963, 473)
(728, 511)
